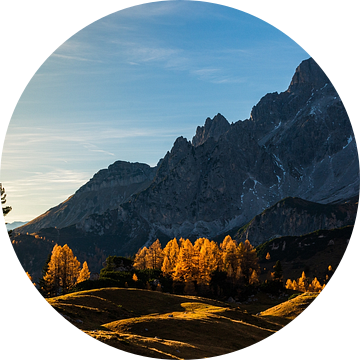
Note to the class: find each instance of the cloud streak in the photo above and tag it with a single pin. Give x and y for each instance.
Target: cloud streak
(34, 193)
(156, 11)
(77, 58)
(191, 62)
(28, 148)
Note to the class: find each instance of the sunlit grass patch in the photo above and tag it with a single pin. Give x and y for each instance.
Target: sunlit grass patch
(171, 326)
(289, 310)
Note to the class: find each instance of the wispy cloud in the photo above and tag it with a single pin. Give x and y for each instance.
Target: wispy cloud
(84, 132)
(77, 58)
(93, 148)
(154, 10)
(189, 61)
(26, 147)
(79, 50)
(34, 193)
(217, 76)
(138, 52)
(206, 74)
(145, 54)
(41, 181)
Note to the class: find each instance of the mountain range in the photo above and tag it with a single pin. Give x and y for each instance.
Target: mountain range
(15, 224)
(297, 144)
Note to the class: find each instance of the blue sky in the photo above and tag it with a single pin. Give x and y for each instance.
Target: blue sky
(126, 86)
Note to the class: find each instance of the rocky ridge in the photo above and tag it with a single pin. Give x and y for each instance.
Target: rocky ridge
(295, 217)
(298, 143)
(105, 191)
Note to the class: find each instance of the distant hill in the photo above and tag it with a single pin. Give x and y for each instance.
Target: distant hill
(154, 324)
(294, 217)
(15, 224)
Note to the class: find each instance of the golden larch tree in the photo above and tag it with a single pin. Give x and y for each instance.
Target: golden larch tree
(84, 273)
(185, 270)
(181, 241)
(30, 278)
(230, 256)
(208, 260)
(315, 286)
(63, 270)
(140, 259)
(225, 242)
(167, 268)
(199, 243)
(52, 276)
(295, 285)
(254, 278)
(248, 260)
(154, 256)
(171, 253)
(289, 284)
(303, 282)
(70, 266)
(214, 260)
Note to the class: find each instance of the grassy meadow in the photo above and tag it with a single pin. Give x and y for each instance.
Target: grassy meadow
(169, 326)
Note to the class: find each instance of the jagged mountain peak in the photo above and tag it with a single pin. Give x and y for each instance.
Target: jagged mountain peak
(297, 143)
(179, 150)
(180, 142)
(308, 74)
(213, 128)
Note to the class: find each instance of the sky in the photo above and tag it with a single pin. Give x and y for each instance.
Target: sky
(126, 86)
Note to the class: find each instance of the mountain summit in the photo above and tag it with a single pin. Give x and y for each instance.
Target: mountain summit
(297, 143)
(308, 75)
(213, 128)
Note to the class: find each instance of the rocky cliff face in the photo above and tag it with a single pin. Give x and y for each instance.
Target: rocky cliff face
(298, 143)
(308, 133)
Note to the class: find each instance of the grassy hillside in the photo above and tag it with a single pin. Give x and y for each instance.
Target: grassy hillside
(164, 325)
(289, 310)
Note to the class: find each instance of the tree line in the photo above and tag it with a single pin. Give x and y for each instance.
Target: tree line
(304, 285)
(203, 268)
(186, 262)
(203, 263)
(199, 265)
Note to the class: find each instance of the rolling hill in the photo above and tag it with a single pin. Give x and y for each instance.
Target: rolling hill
(170, 326)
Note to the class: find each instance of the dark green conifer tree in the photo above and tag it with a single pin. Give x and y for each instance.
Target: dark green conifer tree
(44, 289)
(277, 275)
